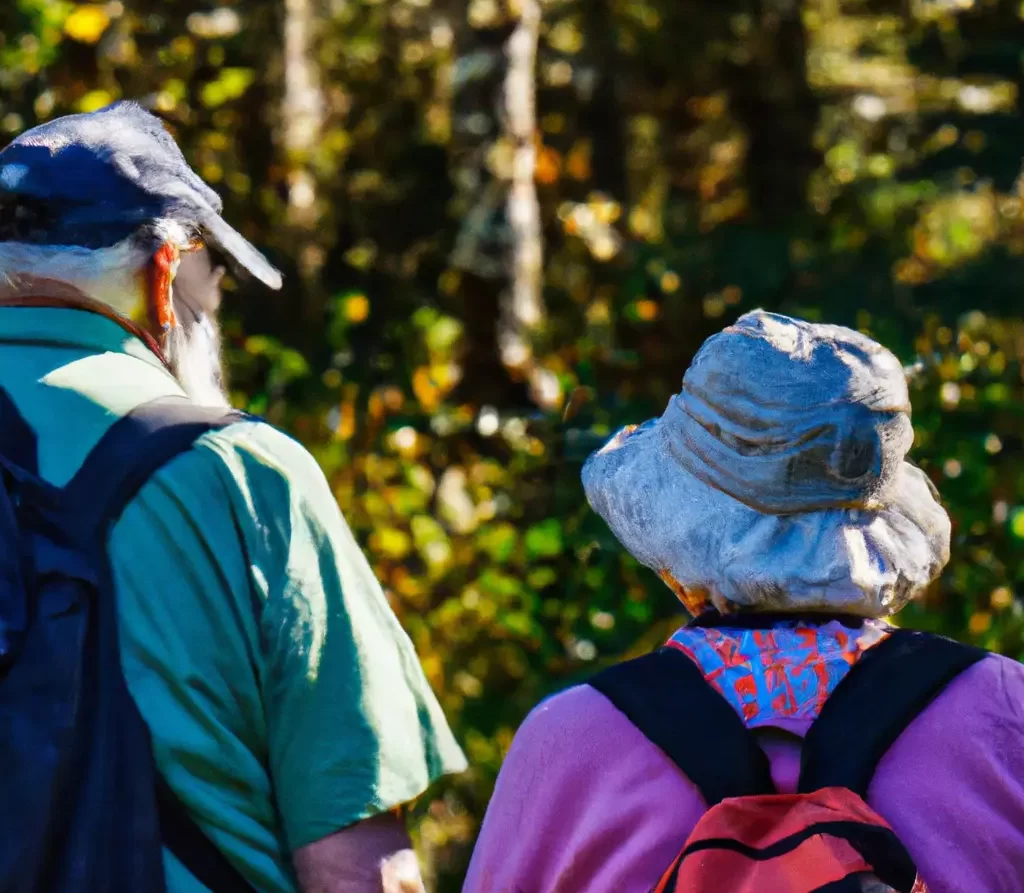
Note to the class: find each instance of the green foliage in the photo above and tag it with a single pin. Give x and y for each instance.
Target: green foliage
(848, 162)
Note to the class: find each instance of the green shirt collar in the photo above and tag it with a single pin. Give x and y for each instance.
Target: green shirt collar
(77, 329)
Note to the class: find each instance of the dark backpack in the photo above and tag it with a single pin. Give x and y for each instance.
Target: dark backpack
(82, 807)
(823, 838)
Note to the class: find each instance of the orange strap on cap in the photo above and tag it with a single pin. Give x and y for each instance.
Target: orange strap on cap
(161, 275)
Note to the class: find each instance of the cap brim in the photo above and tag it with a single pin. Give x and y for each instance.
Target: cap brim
(239, 249)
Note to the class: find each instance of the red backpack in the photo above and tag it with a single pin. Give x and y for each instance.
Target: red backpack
(823, 838)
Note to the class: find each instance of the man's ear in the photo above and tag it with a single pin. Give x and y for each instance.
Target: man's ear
(163, 267)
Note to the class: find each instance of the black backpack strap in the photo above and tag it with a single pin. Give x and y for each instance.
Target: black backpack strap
(17, 439)
(665, 695)
(131, 450)
(193, 849)
(870, 708)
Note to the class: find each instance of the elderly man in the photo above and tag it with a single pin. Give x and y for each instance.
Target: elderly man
(288, 714)
(774, 499)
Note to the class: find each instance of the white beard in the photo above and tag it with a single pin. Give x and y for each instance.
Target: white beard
(193, 351)
(193, 346)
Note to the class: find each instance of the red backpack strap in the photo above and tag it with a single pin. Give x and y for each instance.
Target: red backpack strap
(870, 708)
(665, 695)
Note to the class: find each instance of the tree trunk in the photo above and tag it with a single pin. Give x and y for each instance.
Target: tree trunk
(770, 96)
(302, 123)
(498, 248)
(603, 119)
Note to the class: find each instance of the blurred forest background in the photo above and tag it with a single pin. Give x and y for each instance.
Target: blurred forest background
(507, 225)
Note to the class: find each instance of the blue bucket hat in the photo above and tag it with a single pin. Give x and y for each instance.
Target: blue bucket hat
(777, 479)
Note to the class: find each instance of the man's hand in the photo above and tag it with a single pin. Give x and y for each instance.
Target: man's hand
(401, 874)
(372, 856)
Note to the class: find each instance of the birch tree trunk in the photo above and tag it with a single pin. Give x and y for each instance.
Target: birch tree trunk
(302, 109)
(522, 311)
(302, 119)
(499, 248)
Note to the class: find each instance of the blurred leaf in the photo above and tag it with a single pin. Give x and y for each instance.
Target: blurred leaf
(93, 100)
(544, 540)
(230, 84)
(498, 541)
(87, 23)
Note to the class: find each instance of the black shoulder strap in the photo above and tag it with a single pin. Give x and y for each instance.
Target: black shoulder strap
(664, 694)
(193, 849)
(17, 439)
(133, 449)
(886, 689)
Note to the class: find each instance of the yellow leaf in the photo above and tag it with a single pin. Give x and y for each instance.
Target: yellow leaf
(93, 100)
(980, 623)
(391, 542)
(425, 389)
(346, 421)
(647, 310)
(578, 164)
(1001, 598)
(670, 282)
(549, 165)
(449, 282)
(357, 308)
(212, 173)
(182, 47)
(87, 23)
(393, 398)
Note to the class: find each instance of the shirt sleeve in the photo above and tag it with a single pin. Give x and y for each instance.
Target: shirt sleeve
(963, 749)
(583, 802)
(340, 717)
(353, 727)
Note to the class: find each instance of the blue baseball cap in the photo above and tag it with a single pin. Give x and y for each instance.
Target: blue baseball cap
(94, 179)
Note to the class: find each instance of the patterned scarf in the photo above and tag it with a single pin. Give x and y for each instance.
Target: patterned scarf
(785, 672)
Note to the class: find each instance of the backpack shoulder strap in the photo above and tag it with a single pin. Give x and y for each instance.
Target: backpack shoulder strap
(870, 708)
(133, 449)
(130, 452)
(665, 695)
(192, 848)
(17, 439)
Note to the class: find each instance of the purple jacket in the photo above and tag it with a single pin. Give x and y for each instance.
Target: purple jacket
(586, 804)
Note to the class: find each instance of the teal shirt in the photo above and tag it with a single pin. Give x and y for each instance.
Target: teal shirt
(285, 701)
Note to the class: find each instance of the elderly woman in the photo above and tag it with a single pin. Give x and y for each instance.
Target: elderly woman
(773, 497)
